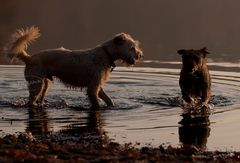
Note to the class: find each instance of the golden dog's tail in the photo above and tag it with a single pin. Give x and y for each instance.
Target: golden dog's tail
(19, 43)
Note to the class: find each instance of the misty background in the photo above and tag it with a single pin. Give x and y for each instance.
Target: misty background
(162, 26)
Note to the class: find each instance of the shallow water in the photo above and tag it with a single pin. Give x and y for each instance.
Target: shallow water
(147, 109)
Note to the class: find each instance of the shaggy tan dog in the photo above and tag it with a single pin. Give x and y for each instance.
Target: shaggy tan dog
(75, 68)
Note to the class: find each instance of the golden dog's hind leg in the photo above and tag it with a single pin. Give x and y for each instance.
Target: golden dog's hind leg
(35, 89)
(45, 89)
(105, 98)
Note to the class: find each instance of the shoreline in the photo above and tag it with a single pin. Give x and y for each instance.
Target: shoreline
(65, 148)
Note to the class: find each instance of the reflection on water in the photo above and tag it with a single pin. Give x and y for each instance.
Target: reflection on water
(92, 126)
(147, 110)
(38, 123)
(194, 131)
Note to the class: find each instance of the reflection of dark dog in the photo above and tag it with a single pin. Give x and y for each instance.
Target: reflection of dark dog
(195, 79)
(194, 131)
(75, 68)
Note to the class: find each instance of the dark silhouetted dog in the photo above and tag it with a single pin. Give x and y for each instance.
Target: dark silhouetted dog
(195, 80)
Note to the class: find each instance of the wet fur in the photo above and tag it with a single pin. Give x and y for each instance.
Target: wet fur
(195, 80)
(75, 68)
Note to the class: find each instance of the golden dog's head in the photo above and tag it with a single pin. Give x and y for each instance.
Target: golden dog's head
(127, 49)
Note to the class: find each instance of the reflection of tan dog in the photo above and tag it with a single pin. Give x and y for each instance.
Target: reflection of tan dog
(195, 79)
(75, 68)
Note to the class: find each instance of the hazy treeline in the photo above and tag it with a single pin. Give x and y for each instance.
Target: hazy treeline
(162, 26)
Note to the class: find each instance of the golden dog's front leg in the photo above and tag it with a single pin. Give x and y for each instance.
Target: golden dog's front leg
(105, 98)
(205, 95)
(92, 93)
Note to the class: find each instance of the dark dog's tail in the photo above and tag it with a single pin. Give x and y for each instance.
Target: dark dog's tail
(19, 42)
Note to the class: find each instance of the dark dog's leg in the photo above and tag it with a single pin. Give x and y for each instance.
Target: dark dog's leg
(205, 95)
(46, 86)
(186, 97)
(105, 98)
(92, 93)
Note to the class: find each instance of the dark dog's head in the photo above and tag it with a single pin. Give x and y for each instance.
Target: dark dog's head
(192, 60)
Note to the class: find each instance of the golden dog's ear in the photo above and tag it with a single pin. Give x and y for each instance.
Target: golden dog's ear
(181, 51)
(204, 51)
(120, 38)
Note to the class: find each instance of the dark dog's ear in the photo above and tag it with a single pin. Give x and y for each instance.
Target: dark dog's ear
(204, 51)
(120, 38)
(181, 51)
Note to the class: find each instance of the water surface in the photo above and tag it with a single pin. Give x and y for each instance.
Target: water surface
(147, 109)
